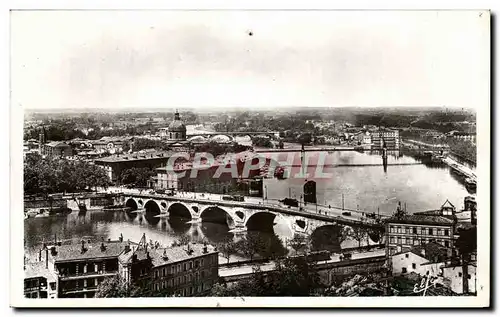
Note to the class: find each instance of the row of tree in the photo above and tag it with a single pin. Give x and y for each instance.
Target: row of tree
(253, 244)
(46, 176)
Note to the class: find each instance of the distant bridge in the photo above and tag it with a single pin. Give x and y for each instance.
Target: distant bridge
(240, 216)
(233, 134)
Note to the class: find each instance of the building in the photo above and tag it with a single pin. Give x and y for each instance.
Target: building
(212, 177)
(384, 137)
(454, 278)
(76, 270)
(189, 270)
(115, 164)
(363, 138)
(56, 149)
(39, 280)
(464, 136)
(404, 231)
(427, 259)
(176, 131)
(80, 268)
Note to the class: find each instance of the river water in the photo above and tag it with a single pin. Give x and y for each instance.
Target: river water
(360, 178)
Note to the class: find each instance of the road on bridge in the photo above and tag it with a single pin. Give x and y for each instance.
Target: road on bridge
(321, 212)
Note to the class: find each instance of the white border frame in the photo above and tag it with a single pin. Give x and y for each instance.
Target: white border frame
(17, 223)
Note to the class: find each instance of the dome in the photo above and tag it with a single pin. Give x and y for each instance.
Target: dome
(177, 125)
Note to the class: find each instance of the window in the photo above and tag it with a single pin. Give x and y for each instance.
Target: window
(185, 267)
(403, 270)
(415, 241)
(196, 264)
(419, 230)
(446, 243)
(393, 240)
(414, 266)
(414, 230)
(399, 240)
(431, 232)
(446, 232)
(202, 262)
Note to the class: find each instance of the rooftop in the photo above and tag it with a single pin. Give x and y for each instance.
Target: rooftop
(38, 269)
(135, 157)
(170, 255)
(74, 252)
(432, 251)
(420, 219)
(56, 144)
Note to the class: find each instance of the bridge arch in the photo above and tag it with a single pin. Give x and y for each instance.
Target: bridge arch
(222, 137)
(180, 210)
(152, 209)
(261, 221)
(217, 214)
(131, 203)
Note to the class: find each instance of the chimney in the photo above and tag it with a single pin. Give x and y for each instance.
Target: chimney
(205, 249)
(103, 247)
(83, 246)
(165, 256)
(53, 251)
(121, 237)
(147, 255)
(422, 252)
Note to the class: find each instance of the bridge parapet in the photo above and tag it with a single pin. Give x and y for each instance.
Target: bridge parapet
(301, 221)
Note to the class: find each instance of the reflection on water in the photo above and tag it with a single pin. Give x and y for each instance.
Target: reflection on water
(367, 184)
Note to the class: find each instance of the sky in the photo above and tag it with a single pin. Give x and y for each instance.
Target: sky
(252, 59)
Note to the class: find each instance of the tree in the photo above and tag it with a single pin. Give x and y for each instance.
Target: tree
(227, 248)
(137, 176)
(250, 245)
(298, 243)
(358, 233)
(272, 247)
(113, 287)
(290, 277)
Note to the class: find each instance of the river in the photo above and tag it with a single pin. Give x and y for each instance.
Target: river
(366, 187)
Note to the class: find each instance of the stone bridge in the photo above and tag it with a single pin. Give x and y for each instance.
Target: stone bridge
(232, 135)
(239, 216)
